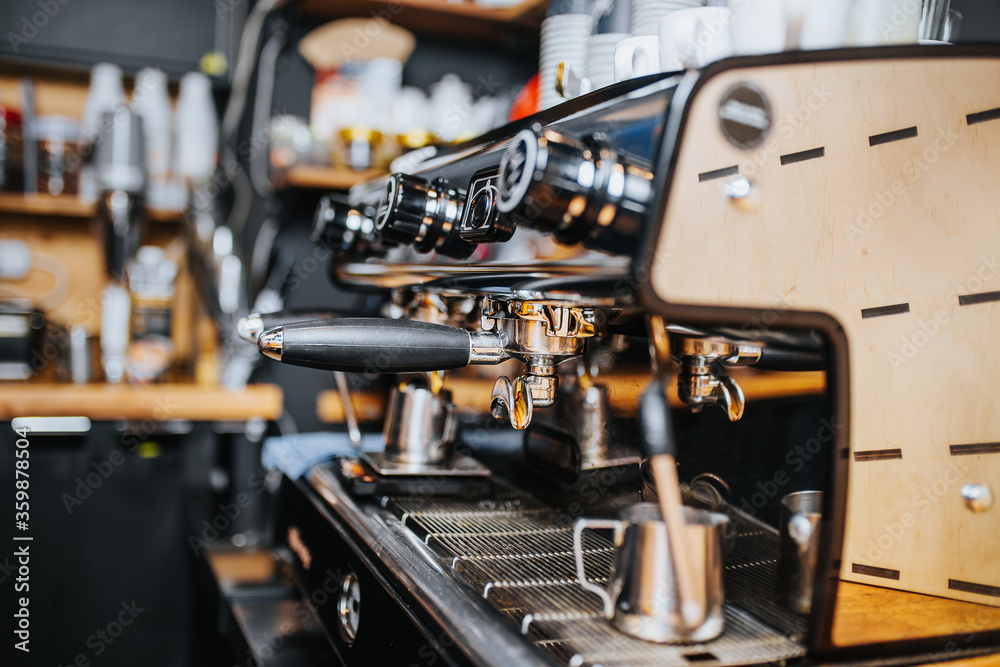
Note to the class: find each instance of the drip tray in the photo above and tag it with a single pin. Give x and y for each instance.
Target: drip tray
(459, 465)
(517, 553)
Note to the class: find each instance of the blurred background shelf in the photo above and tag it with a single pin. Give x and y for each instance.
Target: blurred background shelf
(65, 206)
(465, 21)
(322, 178)
(160, 402)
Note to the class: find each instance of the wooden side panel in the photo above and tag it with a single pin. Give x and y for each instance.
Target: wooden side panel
(897, 236)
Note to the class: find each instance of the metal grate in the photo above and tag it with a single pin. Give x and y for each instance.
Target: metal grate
(519, 554)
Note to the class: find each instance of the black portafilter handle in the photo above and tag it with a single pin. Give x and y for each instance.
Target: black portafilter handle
(368, 345)
(655, 421)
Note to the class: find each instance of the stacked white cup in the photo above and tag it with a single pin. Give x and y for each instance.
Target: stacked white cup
(564, 39)
(646, 14)
(600, 67)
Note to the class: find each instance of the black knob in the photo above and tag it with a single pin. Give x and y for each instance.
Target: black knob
(340, 227)
(581, 190)
(424, 215)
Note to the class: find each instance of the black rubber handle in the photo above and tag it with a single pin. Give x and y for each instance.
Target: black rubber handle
(375, 345)
(654, 418)
(781, 359)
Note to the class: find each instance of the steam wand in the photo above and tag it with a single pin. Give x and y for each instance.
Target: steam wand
(658, 445)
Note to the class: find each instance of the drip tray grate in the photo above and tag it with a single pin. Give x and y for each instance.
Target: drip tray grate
(519, 554)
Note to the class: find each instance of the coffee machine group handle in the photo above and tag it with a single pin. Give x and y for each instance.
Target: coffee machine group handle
(581, 570)
(378, 345)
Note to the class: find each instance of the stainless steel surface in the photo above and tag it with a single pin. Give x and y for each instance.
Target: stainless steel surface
(270, 343)
(643, 599)
(800, 518)
(933, 19)
(443, 599)
(518, 553)
(409, 275)
(585, 413)
(457, 465)
(487, 347)
(978, 497)
(419, 425)
(350, 417)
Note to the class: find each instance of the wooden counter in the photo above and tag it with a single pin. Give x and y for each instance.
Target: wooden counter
(160, 402)
(867, 614)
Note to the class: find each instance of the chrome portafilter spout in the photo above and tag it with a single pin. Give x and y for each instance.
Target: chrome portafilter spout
(702, 379)
(541, 335)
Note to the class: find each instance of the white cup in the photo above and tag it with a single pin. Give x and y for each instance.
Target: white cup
(877, 22)
(639, 56)
(824, 24)
(685, 38)
(695, 37)
(758, 26)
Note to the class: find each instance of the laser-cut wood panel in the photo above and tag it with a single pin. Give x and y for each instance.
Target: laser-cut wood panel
(884, 229)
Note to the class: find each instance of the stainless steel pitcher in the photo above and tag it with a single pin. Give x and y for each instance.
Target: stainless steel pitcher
(642, 598)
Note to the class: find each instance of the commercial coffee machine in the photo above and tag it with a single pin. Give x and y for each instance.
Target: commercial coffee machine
(801, 249)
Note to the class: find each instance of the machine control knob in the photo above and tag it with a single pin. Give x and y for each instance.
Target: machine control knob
(581, 190)
(424, 215)
(338, 226)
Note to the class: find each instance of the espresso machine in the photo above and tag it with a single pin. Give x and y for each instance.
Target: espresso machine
(775, 273)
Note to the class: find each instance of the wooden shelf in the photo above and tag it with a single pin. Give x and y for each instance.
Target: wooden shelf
(465, 21)
(322, 178)
(161, 402)
(624, 390)
(60, 206)
(65, 206)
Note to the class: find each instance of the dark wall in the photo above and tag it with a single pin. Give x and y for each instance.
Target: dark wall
(980, 20)
(172, 35)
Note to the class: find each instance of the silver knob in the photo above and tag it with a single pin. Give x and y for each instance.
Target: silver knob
(978, 497)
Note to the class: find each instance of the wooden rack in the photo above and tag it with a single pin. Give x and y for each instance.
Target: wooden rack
(465, 21)
(65, 206)
(161, 402)
(321, 178)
